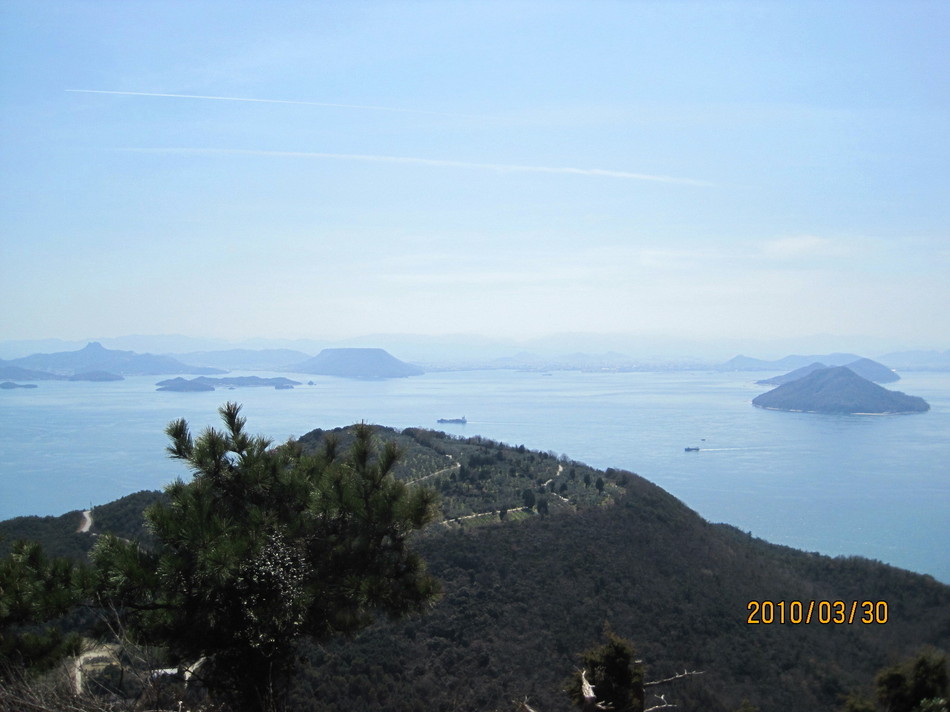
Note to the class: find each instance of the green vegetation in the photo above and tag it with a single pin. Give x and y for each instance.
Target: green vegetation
(610, 677)
(35, 590)
(265, 546)
(917, 684)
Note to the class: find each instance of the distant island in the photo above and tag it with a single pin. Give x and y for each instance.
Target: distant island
(357, 363)
(9, 385)
(838, 390)
(747, 363)
(96, 376)
(864, 367)
(25, 374)
(245, 359)
(204, 383)
(95, 359)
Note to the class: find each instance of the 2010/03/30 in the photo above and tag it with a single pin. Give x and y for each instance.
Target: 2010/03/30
(824, 612)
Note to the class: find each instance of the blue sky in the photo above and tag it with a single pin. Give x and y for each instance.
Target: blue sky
(323, 170)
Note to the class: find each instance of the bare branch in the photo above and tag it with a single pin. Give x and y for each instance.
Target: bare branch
(677, 676)
(590, 699)
(663, 706)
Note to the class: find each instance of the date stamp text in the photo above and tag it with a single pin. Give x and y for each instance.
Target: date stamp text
(824, 612)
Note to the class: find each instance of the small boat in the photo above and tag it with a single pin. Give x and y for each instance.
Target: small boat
(692, 449)
(460, 421)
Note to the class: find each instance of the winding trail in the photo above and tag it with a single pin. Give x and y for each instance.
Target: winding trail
(86, 522)
(456, 466)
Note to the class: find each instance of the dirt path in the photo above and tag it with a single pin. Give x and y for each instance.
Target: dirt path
(456, 466)
(99, 651)
(86, 522)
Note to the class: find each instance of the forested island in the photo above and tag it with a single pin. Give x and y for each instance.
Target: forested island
(534, 555)
(838, 390)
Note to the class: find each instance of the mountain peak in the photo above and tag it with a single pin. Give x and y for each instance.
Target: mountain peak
(358, 363)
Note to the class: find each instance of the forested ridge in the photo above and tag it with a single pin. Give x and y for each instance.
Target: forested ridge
(537, 553)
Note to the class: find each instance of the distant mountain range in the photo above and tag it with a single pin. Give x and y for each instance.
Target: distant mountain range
(901, 360)
(838, 390)
(98, 361)
(451, 352)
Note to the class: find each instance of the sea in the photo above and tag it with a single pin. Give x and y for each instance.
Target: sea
(865, 485)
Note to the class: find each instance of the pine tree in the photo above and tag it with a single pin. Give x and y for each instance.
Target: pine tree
(266, 545)
(614, 675)
(35, 590)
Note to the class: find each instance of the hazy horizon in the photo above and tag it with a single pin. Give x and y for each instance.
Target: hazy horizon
(691, 172)
(458, 347)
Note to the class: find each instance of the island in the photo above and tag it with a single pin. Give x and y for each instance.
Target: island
(10, 385)
(864, 367)
(204, 383)
(183, 385)
(96, 376)
(95, 357)
(357, 363)
(838, 390)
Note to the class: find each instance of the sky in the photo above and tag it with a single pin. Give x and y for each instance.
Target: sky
(280, 169)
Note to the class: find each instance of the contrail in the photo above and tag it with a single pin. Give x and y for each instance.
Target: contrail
(268, 101)
(499, 167)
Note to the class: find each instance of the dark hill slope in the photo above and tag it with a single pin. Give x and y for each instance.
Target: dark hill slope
(522, 600)
(357, 363)
(60, 535)
(838, 391)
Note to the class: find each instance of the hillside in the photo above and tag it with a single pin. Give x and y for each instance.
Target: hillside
(357, 363)
(526, 592)
(838, 391)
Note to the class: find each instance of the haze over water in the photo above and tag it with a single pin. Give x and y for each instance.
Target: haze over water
(874, 486)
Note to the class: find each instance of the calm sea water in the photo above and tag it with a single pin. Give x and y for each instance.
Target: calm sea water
(875, 486)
